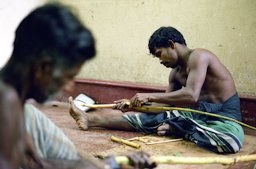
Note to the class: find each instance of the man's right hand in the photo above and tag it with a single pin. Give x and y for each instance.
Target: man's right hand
(140, 160)
(123, 105)
(137, 160)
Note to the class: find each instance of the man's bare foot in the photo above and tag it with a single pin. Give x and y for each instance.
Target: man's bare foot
(165, 129)
(77, 114)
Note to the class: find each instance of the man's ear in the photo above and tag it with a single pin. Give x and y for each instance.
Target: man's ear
(171, 43)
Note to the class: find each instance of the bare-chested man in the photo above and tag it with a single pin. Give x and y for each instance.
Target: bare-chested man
(50, 46)
(197, 80)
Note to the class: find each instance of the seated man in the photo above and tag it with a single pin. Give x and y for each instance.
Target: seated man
(50, 47)
(197, 80)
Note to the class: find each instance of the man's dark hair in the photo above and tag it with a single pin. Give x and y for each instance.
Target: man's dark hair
(161, 37)
(53, 30)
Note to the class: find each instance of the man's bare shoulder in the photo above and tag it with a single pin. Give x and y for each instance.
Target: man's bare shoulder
(203, 56)
(7, 95)
(200, 52)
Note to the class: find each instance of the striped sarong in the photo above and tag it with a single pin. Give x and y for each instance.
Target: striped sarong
(49, 140)
(214, 134)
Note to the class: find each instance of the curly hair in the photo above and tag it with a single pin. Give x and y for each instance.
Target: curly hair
(161, 37)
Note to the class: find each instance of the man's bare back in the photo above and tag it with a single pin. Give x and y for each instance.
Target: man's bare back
(218, 85)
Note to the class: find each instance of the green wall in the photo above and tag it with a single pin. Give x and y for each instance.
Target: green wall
(122, 29)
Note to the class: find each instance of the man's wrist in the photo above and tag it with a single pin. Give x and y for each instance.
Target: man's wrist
(152, 99)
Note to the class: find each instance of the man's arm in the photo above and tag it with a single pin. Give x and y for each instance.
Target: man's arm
(12, 129)
(189, 94)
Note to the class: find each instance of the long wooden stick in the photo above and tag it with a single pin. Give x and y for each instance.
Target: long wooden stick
(98, 106)
(164, 141)
(141, 139)
(193, 160)
(151, 108)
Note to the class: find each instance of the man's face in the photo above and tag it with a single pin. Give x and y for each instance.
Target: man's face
(167, 56)
(56, 79)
